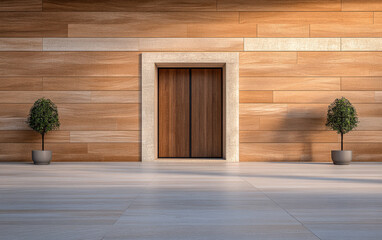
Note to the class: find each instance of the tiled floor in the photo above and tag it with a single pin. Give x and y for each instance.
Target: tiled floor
(191, 201)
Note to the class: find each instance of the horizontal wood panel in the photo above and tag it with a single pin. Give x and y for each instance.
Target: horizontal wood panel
(345, 30)
(33, 137)
(20, 44)
(307, 17)
(20, 5)
(20, 83)
(288, 136)
(105, 136)
(365, 151)
(363, 137)
(129, 5)
(127, 30)
(256, 96)
(290, 83)
(222, 30)
(69, 63)
(115, 149)
(276, 5)
(322, 96)
(319, 152)
(366, 5)
(361, 83)
(283, 30)
(310, 64)
(89, 83)
(292, 44)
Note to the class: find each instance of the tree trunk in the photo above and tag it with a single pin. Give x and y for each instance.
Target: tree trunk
(43, 141)
(342, 141)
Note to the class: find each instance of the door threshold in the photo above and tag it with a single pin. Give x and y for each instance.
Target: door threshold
(207, 160)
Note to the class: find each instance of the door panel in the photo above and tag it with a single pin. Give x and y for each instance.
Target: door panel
(174, 113)
(206, 113)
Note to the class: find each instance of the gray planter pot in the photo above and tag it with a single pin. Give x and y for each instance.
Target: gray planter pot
(41, 157)
(341, 157)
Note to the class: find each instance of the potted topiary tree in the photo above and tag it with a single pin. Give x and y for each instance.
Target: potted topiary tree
(43, 117)
(341, 117)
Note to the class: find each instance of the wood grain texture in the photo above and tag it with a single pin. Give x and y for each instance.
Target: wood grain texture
(282, 30)
(69, 63)
(346, 30)
(115, 97)
(290, 83)
(319, 152)
(20, 83)
(367, 5)
(361, 83)
(89, 83)
(322, 96)
(310, 64)
(20, 44)
(20, 5)
(206, 113)
(365, 151)
(174, 113)
(29, 136)
(256, 96)
(129, 5)
(55, 96)
(191, 44)
(307, 17)
(105, 136)
(288, 136)
(222, 30)
(276, 5)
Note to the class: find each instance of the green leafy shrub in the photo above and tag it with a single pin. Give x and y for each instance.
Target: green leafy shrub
(43, 117)
(341, 117)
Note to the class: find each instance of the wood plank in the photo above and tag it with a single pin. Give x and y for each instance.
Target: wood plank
(322, 96)
(115, 97)
(260, 109)
(69, 64)
(291, 123)
(367, 5)
(361, 44)
(174, 113)
(33, 137)
(361, 83)
(276, 5)
(56, 96)
(206, 113)
(319, 152)
(222, 30)
(369, 110)
(311, 64)
(99, 117)
(20, 83)
(290, 83)
(282, 30)
(307, 17)
(116, 149)
(288, 136)
(249, 122)
(20, 44)
(191, 44)
(345, 30)
(135, 29)
(129, 5)
(369, 124)
(89, 83)
(367, 152)
(13, 116)
(105, 136)
(90, 44)
(20, 5)
(363, 137)
(292, 44)
(256, 96)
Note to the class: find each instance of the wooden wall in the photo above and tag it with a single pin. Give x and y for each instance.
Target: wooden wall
(296, 56)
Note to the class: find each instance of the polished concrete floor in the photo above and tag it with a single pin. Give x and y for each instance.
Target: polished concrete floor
(191, 201)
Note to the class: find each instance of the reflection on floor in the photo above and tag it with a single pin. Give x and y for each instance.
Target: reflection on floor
(191, 201)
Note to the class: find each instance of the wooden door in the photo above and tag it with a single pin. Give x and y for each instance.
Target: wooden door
(174, 113)
(190, 113)
(206, 113)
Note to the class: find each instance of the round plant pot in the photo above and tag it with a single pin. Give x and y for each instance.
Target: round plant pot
(341, 157)
(41, 157)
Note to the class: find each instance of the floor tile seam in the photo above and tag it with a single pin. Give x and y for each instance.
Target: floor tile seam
(277, 204)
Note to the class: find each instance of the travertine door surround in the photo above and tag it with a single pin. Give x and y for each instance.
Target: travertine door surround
(230, 64)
